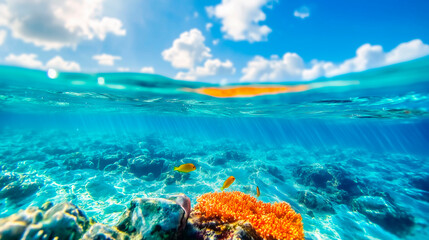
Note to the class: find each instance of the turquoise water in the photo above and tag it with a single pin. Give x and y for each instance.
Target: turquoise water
(349, 153)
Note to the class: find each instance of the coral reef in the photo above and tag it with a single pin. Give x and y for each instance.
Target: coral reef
(271, 221)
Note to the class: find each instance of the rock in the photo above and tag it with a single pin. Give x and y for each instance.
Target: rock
(57, 150)
(6, 178)
(421, 182)
(18, 187)
(200, 229)
(185, 202)
(274, 171)
(314, 201)
(14, 226)
(175, 177)
(235, 156)
(385, 213)
(154, 218)
(76, 160)
(333, 181)
(111, 167)
(64, 220)
(107, 160)
(102, 232)
(143, 166)
(217, 160)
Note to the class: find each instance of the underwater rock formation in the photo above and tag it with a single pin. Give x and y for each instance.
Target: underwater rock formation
(144, 166)
(161, 218)
(200, 229)
(315, 201)
(62, 221)
(16, 187)
(147, 218)
(389, 216)
(336, 185)
(102, 232)
(155, 218)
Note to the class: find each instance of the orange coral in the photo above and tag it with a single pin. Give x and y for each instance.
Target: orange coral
(271, 221)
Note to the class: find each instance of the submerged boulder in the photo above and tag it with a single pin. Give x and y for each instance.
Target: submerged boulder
(62, 221)
(315, 201)
(199, 228)
(100, 231)
(144, 166)
(385, 213)
(155, 218)
(14, 226)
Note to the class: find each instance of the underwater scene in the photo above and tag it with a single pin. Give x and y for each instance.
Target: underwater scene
(345, 157)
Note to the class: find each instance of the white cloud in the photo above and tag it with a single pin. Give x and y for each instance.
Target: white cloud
(30, 61)
(106, 59)
(24, 60)
(240, 19)
(3, 34)
(123, 69)
(215, 42)
(211, 67)
(54, 24)
(407, 51)
(291, 67)
(288, 67)
(147, 70)
(59, 63)
(209, 26)
(187, 50)
(302, 12)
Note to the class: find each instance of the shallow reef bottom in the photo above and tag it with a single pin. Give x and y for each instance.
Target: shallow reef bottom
(216, 216)
(339, 192)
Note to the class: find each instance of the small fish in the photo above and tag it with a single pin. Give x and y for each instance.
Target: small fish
(227, 183)
(188, 167)
(258, 193)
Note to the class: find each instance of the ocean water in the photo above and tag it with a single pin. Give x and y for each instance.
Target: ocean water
(349, 153)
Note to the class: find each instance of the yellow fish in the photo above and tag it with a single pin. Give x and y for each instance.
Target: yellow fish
(258, 193)
(227, 183)
(188, 167)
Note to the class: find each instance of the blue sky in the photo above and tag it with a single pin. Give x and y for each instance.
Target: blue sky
(216, 41)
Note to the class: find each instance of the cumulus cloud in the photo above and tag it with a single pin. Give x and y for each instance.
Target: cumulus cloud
(53, 24)
(59, 63)
(188, 50)
(147, 70)
(106, 59)
(302, 12)
(240, 19)
(209, 26)
(123, 69)
(24, 60)
(211, 67)
(31, 61)
(291, 66)
(3, 34)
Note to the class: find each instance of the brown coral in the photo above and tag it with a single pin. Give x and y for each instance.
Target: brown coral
(271, 221)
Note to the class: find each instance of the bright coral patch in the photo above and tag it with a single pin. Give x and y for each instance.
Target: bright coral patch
(271, 221)
(248, 91)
